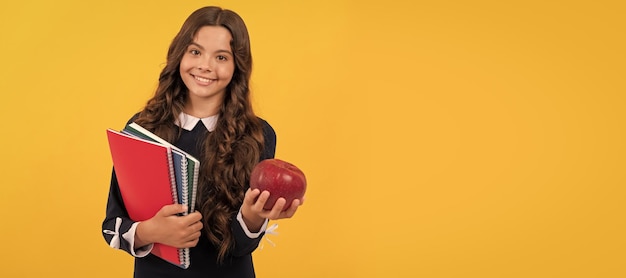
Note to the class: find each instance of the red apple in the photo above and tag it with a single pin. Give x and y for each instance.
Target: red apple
(281, 179)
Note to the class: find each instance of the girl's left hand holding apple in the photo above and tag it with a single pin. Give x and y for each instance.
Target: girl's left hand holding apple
(254, 215)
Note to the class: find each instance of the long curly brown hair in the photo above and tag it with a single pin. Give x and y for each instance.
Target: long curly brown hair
(234, 147)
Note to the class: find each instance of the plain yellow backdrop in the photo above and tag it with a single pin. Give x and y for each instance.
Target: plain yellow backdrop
(439, 138)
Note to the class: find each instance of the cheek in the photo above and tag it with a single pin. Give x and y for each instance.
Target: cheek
(226, 72)
(184, 65)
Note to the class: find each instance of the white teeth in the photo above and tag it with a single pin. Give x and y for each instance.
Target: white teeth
(201, 79)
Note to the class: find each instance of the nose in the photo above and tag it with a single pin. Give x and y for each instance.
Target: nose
(204, 64)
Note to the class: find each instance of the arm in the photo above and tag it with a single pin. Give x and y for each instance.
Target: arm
(118, 229)
(249, 220)
(137, 238)
(249, 224)
(252, 219)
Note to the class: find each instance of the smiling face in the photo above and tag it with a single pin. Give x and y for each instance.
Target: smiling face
(207, 68)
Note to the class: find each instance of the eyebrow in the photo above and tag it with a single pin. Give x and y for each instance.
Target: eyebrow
(218, 51)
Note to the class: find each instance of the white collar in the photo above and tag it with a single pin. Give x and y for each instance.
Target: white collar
(188, 122)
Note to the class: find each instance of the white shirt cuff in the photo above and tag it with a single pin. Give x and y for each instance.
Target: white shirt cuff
(245, 228)
(130, 237)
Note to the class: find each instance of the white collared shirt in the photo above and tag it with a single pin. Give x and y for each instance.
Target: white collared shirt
(188, 122)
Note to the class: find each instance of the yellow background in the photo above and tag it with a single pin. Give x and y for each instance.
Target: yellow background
(439, 138)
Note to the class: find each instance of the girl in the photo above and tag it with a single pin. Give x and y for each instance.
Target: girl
(202, 106)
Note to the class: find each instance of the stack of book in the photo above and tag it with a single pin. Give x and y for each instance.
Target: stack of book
(152, 173)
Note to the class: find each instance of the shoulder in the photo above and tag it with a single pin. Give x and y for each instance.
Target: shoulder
(133, 118)
(269, 136)
(268, 130)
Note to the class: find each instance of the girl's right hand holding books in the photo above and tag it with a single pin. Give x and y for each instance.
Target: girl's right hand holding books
(167, 227)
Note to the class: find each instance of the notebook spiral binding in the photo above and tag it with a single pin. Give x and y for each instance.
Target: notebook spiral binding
(196, 172)
(185, 185)
(184, 253)
(173, 178)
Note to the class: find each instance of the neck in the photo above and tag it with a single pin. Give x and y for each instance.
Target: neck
(202, 108)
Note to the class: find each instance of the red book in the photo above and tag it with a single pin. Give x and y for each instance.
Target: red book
(146, 178)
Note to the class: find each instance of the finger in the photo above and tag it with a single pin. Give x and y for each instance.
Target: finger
(260, 202)
(278, 208)
(292, 209)
(191, 243)
(251, 195)
(187, 243)
(194, 216)
(196, 226)
(193, 236)
(173, 209)
(189, 219)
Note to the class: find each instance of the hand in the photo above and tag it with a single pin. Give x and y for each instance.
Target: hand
(168, 228)
(254, 215)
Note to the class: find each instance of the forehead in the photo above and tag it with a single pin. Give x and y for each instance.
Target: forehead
(213, 37)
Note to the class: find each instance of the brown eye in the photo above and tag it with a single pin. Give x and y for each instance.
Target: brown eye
(194, 52)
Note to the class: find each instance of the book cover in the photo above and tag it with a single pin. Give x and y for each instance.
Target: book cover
(193, 164)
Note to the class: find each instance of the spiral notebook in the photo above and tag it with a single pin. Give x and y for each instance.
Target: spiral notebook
(189, 165)
(150, 175)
